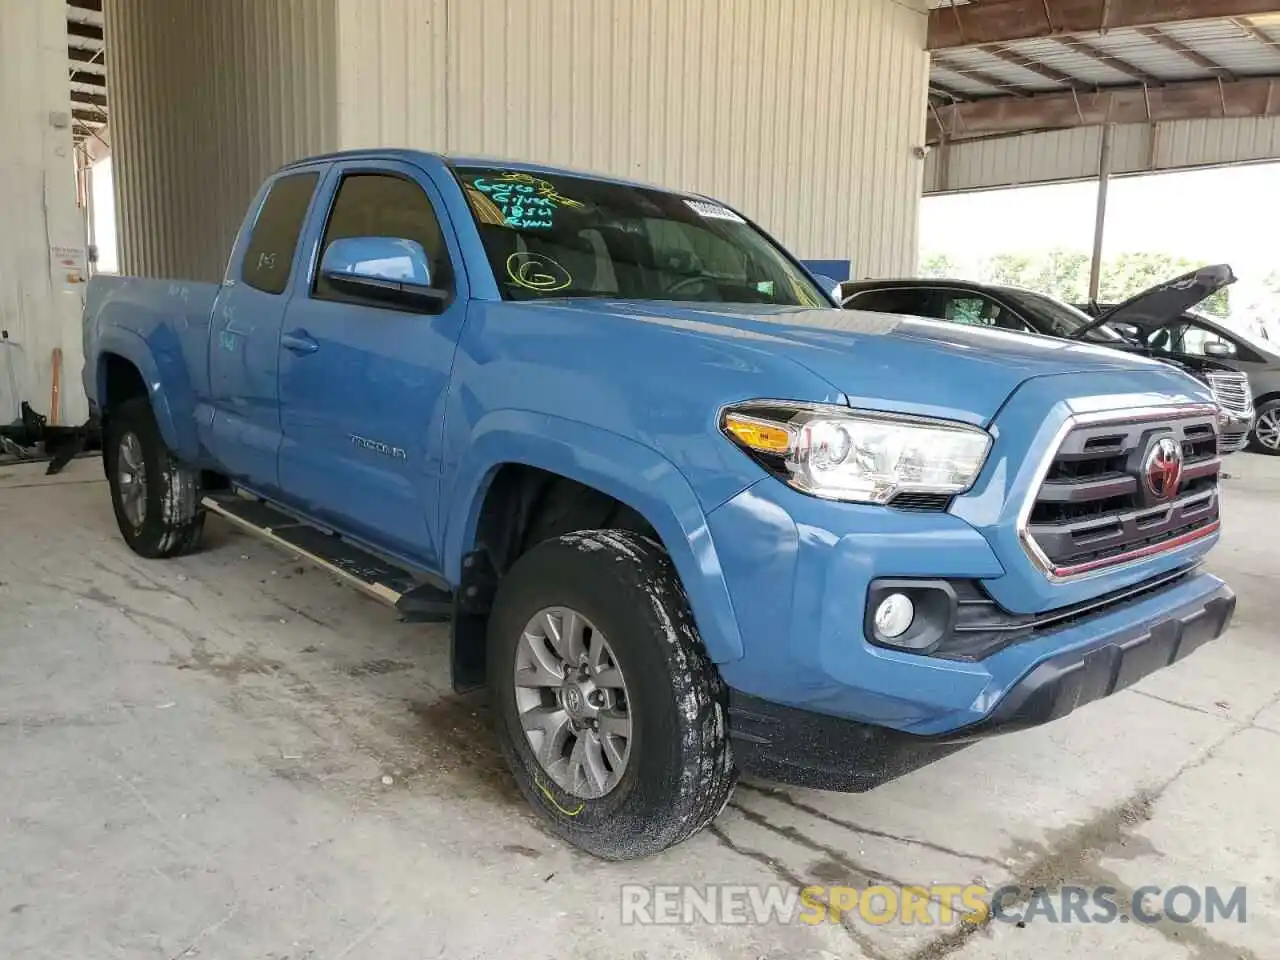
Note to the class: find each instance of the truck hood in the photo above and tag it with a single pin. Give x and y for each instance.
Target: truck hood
(1158, 305)
(885, 361)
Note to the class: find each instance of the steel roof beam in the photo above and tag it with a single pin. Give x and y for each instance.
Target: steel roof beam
(88, 31)
(1000, 21)
(89, 78)
(1257, 33)
(1035, 66)
(1192, 56)
(1087, 49)
(96, 99)
(977, 76)
(955, 96)
(1187, 100)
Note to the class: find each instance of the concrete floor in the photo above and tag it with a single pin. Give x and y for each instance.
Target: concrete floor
(232, 756)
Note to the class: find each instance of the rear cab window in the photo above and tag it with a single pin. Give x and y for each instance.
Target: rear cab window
(904, 300)
(547, 235)
(268, 256)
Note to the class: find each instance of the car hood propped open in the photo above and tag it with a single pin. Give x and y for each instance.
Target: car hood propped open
(1158, 305)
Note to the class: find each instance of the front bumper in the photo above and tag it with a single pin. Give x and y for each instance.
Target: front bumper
(817, 750)
(798, 571)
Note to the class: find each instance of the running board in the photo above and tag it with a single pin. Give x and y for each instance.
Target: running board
(394, 585)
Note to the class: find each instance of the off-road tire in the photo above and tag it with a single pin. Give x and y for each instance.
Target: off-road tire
(174, 518)
(680, 773)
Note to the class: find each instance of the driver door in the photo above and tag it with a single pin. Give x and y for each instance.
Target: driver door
(363, 381)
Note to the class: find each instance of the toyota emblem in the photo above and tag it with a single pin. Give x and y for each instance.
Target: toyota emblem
(1162, 468)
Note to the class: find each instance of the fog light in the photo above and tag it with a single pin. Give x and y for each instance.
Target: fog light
(894, 615)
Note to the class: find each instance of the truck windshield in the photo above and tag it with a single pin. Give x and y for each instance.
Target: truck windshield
(561, 236)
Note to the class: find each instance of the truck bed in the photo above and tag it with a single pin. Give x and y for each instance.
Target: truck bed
(170, 316)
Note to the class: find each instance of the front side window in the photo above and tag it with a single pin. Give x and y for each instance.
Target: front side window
(1167, 339)
(1195, 338)
(384, 205)
(580, 237)
(268, 257)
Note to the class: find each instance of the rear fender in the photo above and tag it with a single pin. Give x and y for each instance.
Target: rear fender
(629, 472)
(125, 343)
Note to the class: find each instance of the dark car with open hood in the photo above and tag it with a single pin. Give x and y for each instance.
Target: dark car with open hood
(1159, 326)
(1154, 323)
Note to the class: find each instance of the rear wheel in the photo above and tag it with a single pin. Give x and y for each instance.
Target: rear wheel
(156, 499)
(608, 711)
(1266, 429)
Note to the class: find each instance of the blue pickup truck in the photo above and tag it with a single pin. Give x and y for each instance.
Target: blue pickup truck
(686, 517)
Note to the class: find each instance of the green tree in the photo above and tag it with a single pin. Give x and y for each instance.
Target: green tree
(1008, 269)
(938, 265)
(1063, 275)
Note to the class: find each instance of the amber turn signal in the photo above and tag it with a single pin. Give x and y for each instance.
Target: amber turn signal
(758, 435)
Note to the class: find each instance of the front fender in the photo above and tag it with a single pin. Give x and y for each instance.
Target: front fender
(132, 347)
(629, 472)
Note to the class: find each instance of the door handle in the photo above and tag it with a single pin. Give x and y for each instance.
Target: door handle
(299, 341)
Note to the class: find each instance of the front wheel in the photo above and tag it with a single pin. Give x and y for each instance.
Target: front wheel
(156, 499)
(610, 714)
(1266, 429)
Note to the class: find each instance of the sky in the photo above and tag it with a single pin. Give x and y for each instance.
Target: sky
(1228, 215)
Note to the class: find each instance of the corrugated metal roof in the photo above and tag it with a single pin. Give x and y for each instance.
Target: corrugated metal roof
(1222, 47)
(1132, 47)
(86, 69)
(1074, 63)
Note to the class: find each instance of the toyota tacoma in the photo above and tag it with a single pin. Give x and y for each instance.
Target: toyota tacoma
(685, 517)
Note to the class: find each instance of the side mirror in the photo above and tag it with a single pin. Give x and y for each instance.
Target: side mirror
(383, 268)
(1219, 348)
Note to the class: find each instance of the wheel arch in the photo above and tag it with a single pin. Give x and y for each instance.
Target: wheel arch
(636, 476)
(124, 359)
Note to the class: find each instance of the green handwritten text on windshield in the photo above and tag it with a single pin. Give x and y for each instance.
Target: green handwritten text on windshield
(525, 201)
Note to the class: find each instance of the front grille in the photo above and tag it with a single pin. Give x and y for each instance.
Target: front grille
(1096, 507)
(1231, 391)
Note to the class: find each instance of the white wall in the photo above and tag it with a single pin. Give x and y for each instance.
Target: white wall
(206, 98)
(803, 113)
(40, 303)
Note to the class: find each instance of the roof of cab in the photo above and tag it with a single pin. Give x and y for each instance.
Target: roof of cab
(406, 155)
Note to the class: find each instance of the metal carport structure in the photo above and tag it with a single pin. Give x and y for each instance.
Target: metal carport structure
(1039, 91)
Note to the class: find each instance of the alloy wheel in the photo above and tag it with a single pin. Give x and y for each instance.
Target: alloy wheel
(572, 701)
(1267, 429)
(131, 473)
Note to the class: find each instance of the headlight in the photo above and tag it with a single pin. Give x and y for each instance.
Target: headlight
(856, 455)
